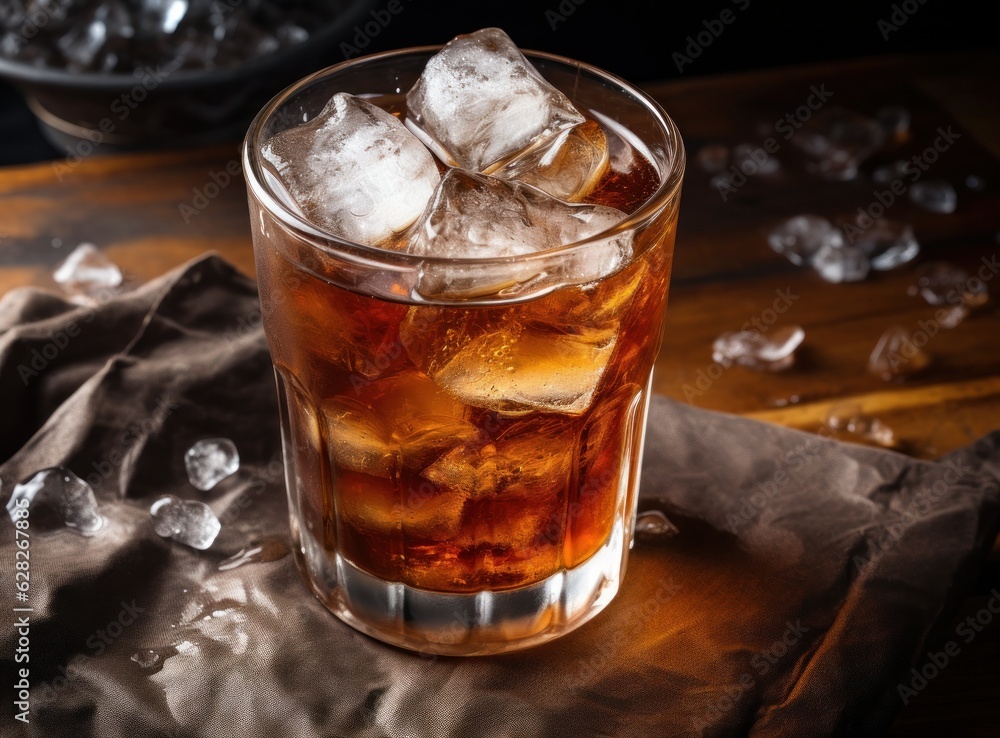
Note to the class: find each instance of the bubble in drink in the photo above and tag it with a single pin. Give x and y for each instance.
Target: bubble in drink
(210, 461)
(70, 499)
(355, 170)
(480, 102)
(186, 521)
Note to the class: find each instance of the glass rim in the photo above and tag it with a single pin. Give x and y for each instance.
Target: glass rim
(647, 212)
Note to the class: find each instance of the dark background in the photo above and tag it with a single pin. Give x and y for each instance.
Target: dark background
(636, 40)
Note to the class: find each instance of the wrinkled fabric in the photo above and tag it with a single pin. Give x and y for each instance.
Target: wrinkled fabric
(805, 579)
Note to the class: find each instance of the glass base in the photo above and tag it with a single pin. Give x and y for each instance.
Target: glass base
(466, 624)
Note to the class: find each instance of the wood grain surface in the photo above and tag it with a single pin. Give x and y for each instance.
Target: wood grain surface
(146, 212)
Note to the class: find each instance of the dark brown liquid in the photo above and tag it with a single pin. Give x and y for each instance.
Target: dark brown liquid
(462, 448)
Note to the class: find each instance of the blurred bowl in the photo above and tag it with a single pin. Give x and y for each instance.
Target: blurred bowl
(84, 113)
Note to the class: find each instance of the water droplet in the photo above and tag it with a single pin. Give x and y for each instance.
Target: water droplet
(263, 551)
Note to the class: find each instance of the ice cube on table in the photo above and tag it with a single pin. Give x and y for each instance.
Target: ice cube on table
(800, 237)
(652, 526)
(210, 461)
(888, 244)
(849, 418)
(68, 496)
(87, 272)
(943, 283)
(841, 263)
(186, 521)
(935, 195)
(837, 140)
(480, 102)
(569, 168)
(355, 170)
(773, 352)
(896, 355)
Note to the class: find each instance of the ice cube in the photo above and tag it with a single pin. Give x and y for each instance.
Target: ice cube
(477, 216)
(800, 237)
(896, 355)
(888, 244)
(841, 263)
(531, 457)
(838, 140)
(713, 158)
(772, 352)
(653, 526)
(480, 102)
(355, 170)
(186, 521)
(851, 419)
(210, 461)
(63, 493)
(516, 369)
(942, 283)
(953, 316)
(87, 272)
(569, 168)
(402, 421)
(935, 195)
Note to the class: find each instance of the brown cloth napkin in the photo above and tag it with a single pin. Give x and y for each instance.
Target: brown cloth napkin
(805, 579)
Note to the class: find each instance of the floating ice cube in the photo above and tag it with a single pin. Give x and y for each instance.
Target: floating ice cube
(772, 352)
(88, 272)
(888, 244)
(935, 195)
(477, 216)
(186, 521)
(64, 494)
(210, 461)
(402, 421)
(713, 158)
(800, 237)
(838, 140)
(355, 170)
(841, 263)
(479, 102)
(851, 419)
(569, 168)
(652, 526)
(896, 355)
(506, 366)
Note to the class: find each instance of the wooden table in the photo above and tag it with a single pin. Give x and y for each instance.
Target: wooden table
(724, 275)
